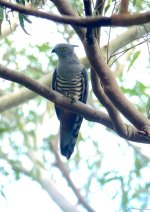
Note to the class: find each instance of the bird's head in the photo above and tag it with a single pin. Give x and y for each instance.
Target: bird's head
(63, 49)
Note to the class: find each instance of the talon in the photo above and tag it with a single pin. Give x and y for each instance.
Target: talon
(145, 132)
(71, 96)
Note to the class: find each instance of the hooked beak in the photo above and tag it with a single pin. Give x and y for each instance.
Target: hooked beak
(53, 51)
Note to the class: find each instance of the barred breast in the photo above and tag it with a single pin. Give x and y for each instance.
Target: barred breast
(72, 86)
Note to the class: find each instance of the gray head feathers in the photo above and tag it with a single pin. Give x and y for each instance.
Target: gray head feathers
(63, 49)
(69, 66)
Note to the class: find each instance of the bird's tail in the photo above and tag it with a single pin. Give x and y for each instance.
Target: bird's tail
(68, 138)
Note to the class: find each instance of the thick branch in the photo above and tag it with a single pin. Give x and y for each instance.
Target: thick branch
(88, 113)
(87, 7)
(111, 88)
(120, 127)
(88, 12)
(114, 114)
(115, 20)
(66, 9)
(61, 101)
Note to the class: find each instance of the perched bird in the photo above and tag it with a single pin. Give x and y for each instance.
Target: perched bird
(70, 79)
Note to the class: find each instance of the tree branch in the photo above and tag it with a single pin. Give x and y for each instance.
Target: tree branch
(120, 127)
(61, 101)
(14, 99)
(123, 39)
(118, 124)
(62, 167)
(86, 111)
(88, 12)
(124, 6)
(114, 114)
(111, 88)
(123, 20)
(66, 9)
(127, 37)
(44, 179)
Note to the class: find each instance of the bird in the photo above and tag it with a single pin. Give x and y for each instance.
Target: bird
(71, 80)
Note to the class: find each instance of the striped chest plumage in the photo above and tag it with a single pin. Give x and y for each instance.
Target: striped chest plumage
(72, 86)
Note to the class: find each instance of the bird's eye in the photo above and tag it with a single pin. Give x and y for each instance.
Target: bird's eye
(63, 49)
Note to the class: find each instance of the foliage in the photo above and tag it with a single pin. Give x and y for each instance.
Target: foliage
(106, 165)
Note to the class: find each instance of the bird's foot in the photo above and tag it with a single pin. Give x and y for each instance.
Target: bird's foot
(72, 97)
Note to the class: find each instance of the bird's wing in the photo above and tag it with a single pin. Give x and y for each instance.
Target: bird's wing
(57, 109)
(85, 86)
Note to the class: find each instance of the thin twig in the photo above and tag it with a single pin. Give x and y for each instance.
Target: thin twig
(138, 151)
(98, 9)
(109, 33)
(124, 51)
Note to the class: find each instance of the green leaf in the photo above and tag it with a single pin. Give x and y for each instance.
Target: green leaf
(106, 8)
(26, 18)
(135, 56)
(23, 17)
(21, 20)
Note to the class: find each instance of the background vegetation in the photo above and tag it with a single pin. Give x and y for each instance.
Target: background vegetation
(105, 171)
